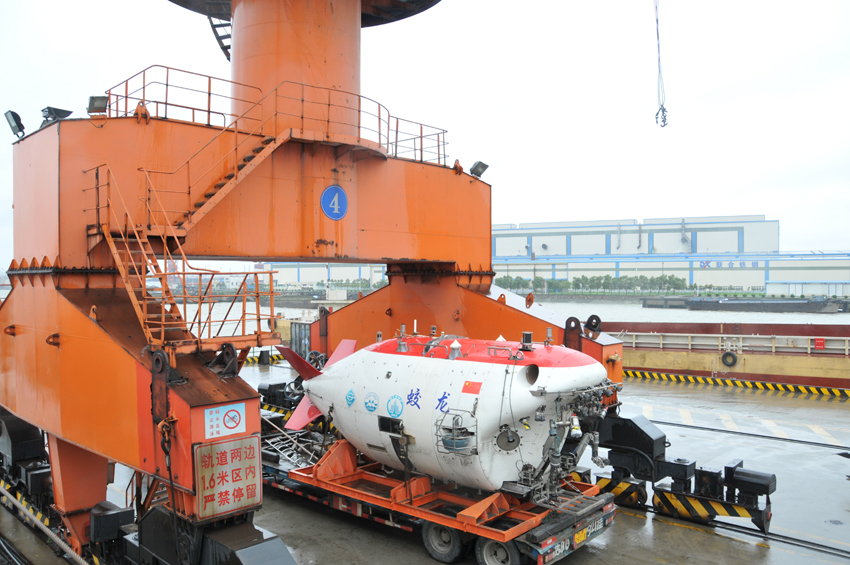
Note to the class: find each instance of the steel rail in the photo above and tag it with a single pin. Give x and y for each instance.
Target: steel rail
(758, 533)
(747, 434)
(13, 553)
(783, 539)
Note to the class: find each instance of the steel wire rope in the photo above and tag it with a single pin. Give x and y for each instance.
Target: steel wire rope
(661, 114)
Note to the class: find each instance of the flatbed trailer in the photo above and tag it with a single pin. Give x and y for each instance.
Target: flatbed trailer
(499, 527)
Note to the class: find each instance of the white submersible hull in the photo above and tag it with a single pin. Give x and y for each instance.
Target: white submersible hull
(472, 412)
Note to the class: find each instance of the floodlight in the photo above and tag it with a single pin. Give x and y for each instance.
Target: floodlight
(15, 123)
(97, 104)
(51, 114)
(478, 168)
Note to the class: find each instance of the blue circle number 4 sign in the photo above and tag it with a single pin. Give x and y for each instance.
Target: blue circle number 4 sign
(334, 202)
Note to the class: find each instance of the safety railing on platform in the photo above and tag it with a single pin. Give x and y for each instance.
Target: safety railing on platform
(169, 295)
(176, 94)
(316, 112)
(412, 140)
(737, 343)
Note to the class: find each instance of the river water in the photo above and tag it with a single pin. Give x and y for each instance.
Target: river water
(635, 312)
(608, 311)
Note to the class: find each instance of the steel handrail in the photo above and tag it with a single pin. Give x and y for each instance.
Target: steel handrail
(168, 70)
(723, 342)
(167, 297)
(383, 129)
(207, 297)
(244, 116)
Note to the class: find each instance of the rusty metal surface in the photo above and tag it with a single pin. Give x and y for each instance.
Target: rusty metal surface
(201, 388)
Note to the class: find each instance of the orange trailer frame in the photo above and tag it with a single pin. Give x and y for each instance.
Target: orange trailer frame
(338, 472)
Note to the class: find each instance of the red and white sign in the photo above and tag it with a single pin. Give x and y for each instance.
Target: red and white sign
(224, 420)
(228, 476)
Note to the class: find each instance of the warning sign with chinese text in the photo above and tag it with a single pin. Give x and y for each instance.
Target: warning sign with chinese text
(228, 476)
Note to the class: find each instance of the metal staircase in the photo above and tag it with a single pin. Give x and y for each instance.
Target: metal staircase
(223, 186)
(179, 307)
(138, 266)
(221, 30)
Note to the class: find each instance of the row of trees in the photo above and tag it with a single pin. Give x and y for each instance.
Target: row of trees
(349, 284)
(605, 283)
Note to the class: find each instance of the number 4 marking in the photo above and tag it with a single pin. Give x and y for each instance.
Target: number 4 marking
(335, 203)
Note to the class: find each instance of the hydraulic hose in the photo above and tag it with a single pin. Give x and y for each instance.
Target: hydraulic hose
(47, 531)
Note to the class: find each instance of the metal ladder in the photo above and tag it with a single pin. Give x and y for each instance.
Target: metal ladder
(218, 13)
(294, 447)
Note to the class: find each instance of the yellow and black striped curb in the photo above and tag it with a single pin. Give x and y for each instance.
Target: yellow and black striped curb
(626, 493)
(757, 385)
(684, 506)
(276, 410)
(33, 511)
(288, 414)
(255, 360)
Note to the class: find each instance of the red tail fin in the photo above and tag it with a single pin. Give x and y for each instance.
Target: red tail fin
(345, 348)
(302, 367)
(305, 413)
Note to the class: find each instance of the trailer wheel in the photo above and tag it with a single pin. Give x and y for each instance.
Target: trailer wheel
(729, 359)
(492, 552)
(443, 543)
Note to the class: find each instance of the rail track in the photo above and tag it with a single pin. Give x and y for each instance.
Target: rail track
(9, 554)
(778, 538)
(747, 434)
(797, 542)
(810, 545)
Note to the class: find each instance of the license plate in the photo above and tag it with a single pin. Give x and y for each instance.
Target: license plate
(580, 537)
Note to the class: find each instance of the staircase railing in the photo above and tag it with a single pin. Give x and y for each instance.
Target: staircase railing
(165, 296)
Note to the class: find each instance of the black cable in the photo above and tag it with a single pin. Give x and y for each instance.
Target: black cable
(165, 443)
(661, 114)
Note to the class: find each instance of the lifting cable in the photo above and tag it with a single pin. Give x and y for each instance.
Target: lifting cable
(661, 114)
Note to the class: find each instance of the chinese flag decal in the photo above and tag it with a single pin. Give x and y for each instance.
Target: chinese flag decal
(471, 387)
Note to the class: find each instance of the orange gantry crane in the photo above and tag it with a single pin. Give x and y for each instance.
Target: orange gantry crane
(121, 350)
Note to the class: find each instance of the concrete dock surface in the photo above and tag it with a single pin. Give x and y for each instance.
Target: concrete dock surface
(798, 437)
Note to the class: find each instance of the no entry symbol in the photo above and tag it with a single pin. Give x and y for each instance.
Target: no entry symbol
(232, 419)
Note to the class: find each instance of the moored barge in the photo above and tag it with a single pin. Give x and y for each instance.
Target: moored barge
(818, 305)
(811, 355)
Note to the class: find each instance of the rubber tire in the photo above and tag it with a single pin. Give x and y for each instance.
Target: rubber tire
(444, 544)
(729, 359)
(485, 552)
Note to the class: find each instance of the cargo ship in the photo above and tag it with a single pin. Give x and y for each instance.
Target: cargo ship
(818, 305)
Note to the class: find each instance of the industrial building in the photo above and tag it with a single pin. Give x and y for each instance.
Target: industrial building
(728, 251)
(741, 252)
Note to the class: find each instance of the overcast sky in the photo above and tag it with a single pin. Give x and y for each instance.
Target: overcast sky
(558, 97)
